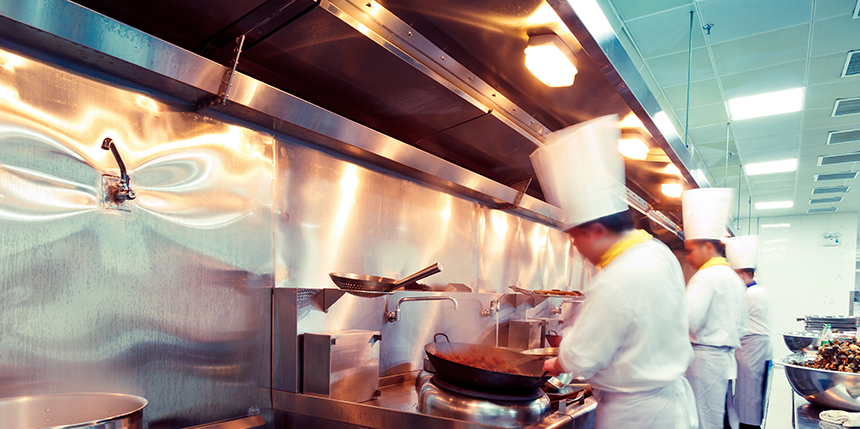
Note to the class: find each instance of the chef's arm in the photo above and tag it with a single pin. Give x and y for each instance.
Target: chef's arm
(699, 296)
(591, 343)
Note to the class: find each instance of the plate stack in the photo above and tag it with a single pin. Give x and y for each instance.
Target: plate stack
(841, 323)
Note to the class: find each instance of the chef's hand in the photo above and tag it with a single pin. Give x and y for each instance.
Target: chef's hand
(552, 366)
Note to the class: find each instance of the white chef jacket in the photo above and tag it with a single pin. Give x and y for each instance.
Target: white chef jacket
(757, 310)
(632, 334)
(716, 303)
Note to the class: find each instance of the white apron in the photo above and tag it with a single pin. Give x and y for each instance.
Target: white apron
(709, 375)
(755, 351)
(672, 407)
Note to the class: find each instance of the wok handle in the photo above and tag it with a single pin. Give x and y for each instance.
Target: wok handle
(442, 334)
(544, 377)
(427, 272)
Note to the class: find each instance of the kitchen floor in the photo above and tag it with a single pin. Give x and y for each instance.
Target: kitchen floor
(779, 409)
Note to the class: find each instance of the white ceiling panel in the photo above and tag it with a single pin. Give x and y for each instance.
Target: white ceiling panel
(820, 118)
(823, 96)
(762, 50)
(734, 19)
(665, 33)
(701, 93)
(816, 137)
(766, 79)
(671, 69)
(770, 155)
(771, 187)
(769, 142)
(830, 8)
(828, 69)
(702, 116)
(834, 35)
(630, 9)
(708, 134)
(836, 149)
(776, 124)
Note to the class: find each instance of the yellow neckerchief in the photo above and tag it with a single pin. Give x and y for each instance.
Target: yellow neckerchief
(631, 239)
(713, 261)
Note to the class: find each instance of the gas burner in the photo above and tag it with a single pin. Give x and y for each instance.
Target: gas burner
(441, 399)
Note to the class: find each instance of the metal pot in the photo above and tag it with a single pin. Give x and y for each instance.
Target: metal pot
(73, 410)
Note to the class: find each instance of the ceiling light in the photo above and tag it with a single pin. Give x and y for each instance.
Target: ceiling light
(673, 190)
(771, 167)
(550, 60)
(631, 121)
(543, 15)
(633, 148)
(776, 225)
(672, 169)
(664, 124)
(774, 205)
(771, 103)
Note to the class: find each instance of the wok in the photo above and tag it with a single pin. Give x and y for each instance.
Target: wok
(370, 286)
(473, 378)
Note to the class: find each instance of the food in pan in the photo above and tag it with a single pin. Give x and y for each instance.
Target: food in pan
(489, 363)
(837, 355)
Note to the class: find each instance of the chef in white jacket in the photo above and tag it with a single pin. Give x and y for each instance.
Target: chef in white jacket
(716, 303)
(756, 349)
(630, 339)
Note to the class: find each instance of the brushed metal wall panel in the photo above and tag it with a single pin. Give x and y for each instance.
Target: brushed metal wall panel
(169, 301)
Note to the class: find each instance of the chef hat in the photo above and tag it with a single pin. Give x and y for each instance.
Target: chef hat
(706, 213)
(581, 170)
(741, 251)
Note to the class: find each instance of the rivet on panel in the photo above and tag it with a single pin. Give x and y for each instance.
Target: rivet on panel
(409, 33)
(443, 57)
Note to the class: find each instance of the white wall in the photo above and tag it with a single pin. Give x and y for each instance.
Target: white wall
(801, 275)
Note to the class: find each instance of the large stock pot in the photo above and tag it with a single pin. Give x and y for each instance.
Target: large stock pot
(72, 410)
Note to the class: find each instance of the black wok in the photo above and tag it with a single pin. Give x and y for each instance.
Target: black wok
(473, 378)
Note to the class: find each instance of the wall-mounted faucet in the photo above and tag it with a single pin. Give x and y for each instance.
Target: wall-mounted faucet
(492, 309)
(557, 310)
(394, 316)
(124, 192)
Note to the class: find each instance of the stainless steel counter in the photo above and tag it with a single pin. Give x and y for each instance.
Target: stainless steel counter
(397, 407)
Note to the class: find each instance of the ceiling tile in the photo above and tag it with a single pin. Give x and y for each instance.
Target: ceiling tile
(771, 187)
(818, 136)
(820, 118)
(828, 69)
(823, 96)
(839, 34)
(716, 149)
(705, 115)
(775, 47)
(767, 125)
(734, 19)
(630, 9)
(769, 142)
(770, 155)
(836, 149)
(712, 133)
(701, 93)
(831, 8)
(665, 33)
(766, 79)
(672, 69)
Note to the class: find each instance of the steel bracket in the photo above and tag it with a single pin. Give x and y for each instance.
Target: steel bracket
(226, 80)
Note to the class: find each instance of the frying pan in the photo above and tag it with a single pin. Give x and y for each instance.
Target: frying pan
(364, 285)
(474, 378)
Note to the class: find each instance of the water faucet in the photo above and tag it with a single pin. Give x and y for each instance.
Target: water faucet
(394, 316)
(492, 309)
(124, 192)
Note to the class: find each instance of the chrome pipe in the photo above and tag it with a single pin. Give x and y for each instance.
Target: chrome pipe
(394, 316)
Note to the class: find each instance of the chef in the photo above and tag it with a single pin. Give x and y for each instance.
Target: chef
(716, 303)
(630, 339)
(755, 351)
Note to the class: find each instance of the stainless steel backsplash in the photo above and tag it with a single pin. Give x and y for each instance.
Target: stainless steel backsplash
(172, 301)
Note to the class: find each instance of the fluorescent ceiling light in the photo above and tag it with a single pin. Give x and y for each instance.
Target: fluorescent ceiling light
(631, 121)
(774, 205)
(771, 103)
(671, 189)
(776, 225)
(633, 148)
(550, 60)
(771, 167)
(672, 169)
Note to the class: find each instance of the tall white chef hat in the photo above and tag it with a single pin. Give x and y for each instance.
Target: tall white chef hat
(706, 212)
(741, 251)
(581, 170)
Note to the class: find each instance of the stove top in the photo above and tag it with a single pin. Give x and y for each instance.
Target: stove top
(439, 398)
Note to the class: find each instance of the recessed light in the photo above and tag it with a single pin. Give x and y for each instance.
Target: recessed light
(550, 60)
(767, 104)
(673, 190)
(774, 205)
(771, 167)
(776, 225)
(633, 148)
(672, 169)
(632, 121)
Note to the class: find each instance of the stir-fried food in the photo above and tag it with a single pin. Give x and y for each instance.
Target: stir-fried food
(838, 355)
(489, 363)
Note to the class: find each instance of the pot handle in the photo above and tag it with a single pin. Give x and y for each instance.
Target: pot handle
(442, 334)
(552, 332)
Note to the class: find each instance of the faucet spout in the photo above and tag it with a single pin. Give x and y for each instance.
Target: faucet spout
(394, 316)
(124, 192)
